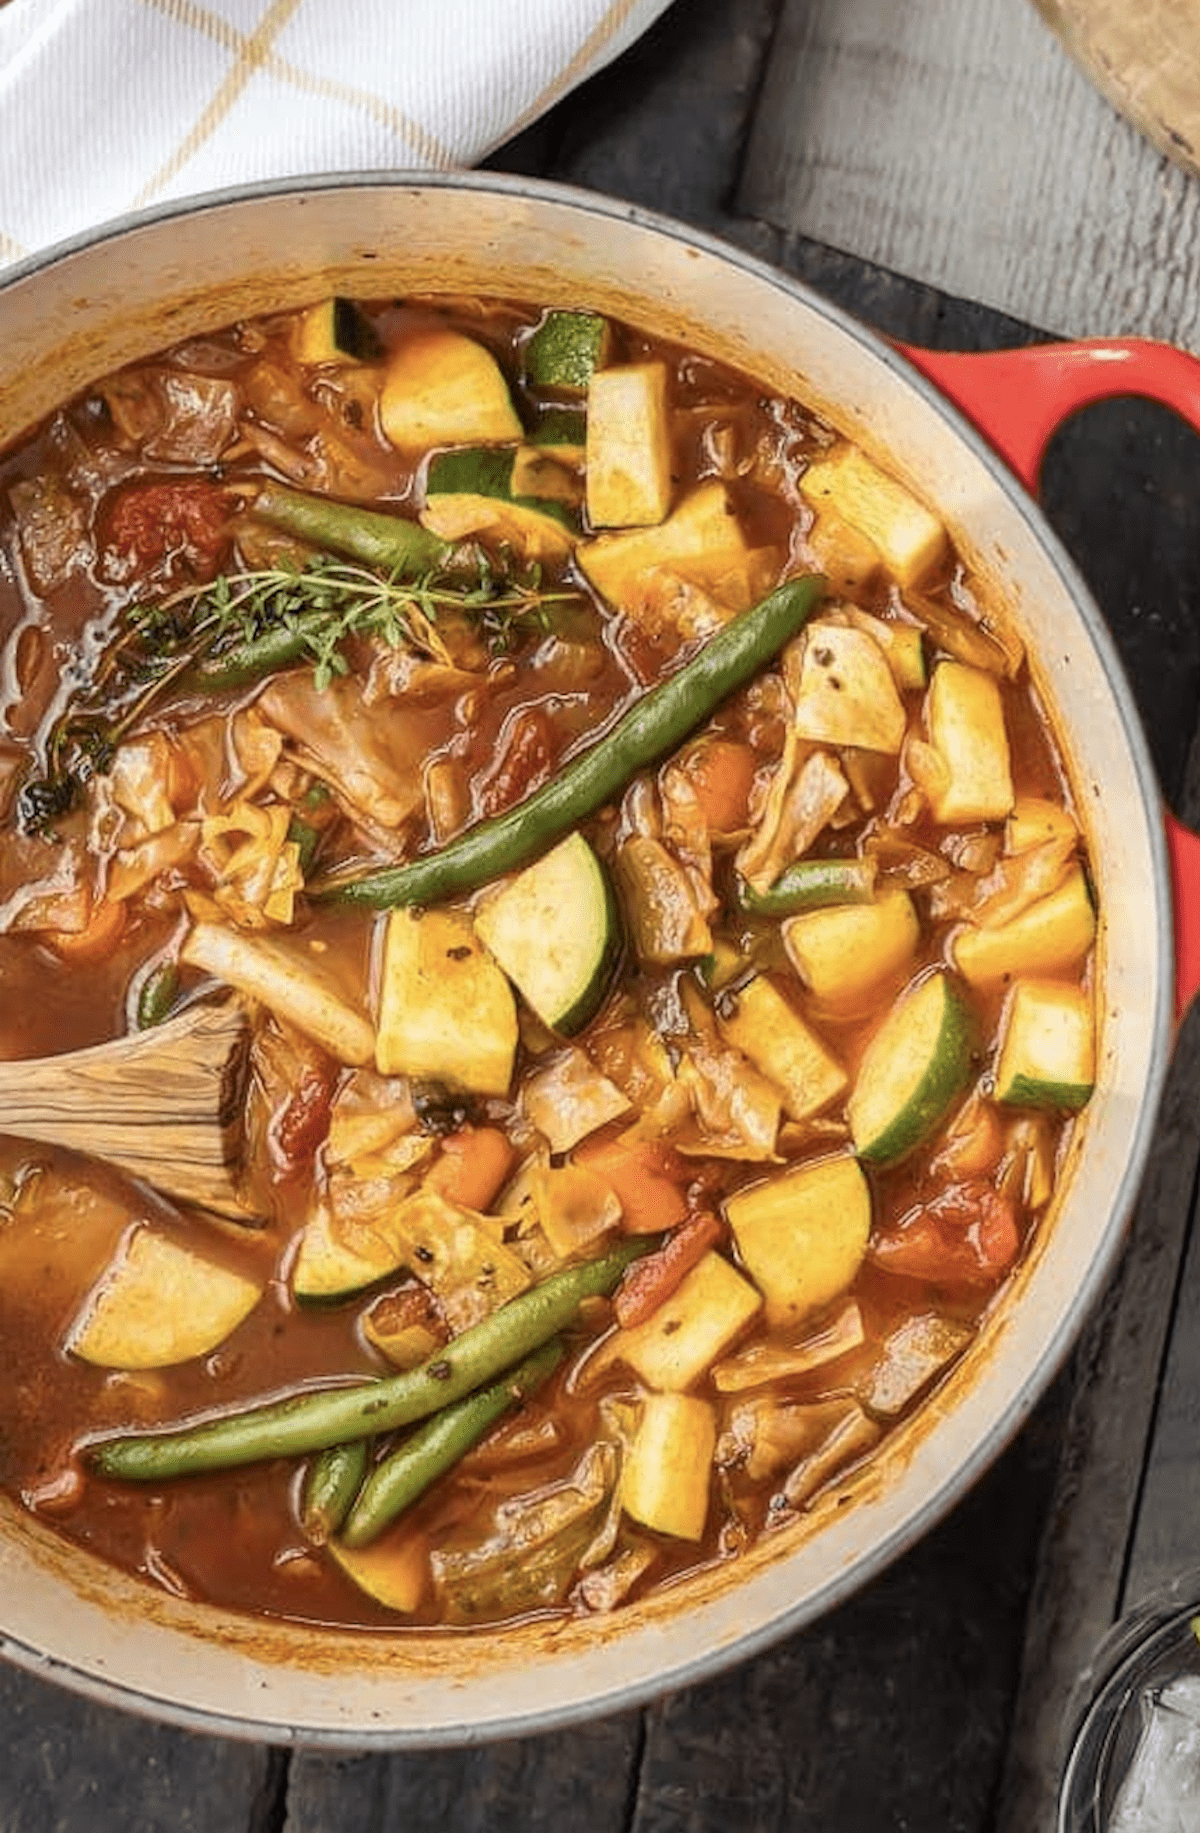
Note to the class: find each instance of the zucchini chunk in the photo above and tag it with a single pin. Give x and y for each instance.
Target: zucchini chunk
(1048, 1046)
(393, 1570)
(965, 722)
(327, 1269)
(762, 1024)
(668, 1472)
(444, 389)
(561, 432)
(554, 931)
(915, 1066)
(1049, 937)
(336, 331)
(909, 537)
(476, 490)
(803, 1235)
(847, 693)
(446, 1012)
(628, 447)
(565, 351)
(160, 1303)
(844, 951)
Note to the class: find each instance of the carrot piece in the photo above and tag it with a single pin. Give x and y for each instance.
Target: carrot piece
(648, 1283)
(647, 1177)
(721, 771)
(99, 936)
(472, 1167)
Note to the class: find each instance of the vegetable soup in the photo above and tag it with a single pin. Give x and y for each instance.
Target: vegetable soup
(663, 925)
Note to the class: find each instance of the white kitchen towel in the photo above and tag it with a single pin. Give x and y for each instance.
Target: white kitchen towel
(110, 105)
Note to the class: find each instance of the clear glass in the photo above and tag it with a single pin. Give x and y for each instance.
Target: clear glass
(1134, 1763)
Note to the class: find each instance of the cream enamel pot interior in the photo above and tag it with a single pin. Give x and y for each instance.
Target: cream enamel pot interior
(87, 308)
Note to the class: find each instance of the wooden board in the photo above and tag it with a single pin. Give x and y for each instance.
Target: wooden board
(957, 143)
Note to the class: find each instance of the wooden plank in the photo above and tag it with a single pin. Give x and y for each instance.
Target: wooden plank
(576, 1778)
(1166, 1540)
(957, 143)
(78, 1767)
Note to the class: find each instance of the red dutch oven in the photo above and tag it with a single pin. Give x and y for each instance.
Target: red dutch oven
(85, 309)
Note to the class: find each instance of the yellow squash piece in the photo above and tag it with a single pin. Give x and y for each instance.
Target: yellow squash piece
(665, 1484)
(674, 1347)
(842, 953)
(628, 446)
(1049, 937)
(444, 389)
(702, 541)
(1047, 1047)
(964, 717)
(328, 1267)
(446, 1012)
(1034, 821)
(803, 1235)
(909, 537)
(760, 1022)
(161, 1303)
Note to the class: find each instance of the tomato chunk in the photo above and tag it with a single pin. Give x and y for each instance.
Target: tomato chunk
(967, 1236)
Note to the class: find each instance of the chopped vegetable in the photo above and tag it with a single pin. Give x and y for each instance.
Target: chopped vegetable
(910, 539)
(444, 389)
(683, 1337)
(844, 953)
(1047, 1046)
(555, 932)
(446, 1012)
(803, 1235)
(915, 1066)
(1050, 937)
(666, 1481)
(847, 694)
(965, 719)
(295, 988)
(628, 446)
(161, 1302)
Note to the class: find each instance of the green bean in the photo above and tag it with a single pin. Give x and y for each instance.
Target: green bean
(393, 544)
(434, 1448)
(811, 884)
(331, 1483)
(651, 728)
(317, 1418)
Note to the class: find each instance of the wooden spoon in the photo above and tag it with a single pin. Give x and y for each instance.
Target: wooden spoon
(166, 1105)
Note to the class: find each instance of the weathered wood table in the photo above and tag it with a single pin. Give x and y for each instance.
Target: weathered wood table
(945, 173)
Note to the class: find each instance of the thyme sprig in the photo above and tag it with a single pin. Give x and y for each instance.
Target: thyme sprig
(244, 625)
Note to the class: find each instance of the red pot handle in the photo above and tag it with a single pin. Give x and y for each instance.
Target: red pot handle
(1017, 399)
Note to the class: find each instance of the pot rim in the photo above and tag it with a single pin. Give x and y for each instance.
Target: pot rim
(719, 1654)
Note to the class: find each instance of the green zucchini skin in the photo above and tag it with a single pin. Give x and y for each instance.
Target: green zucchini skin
(652, 727)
